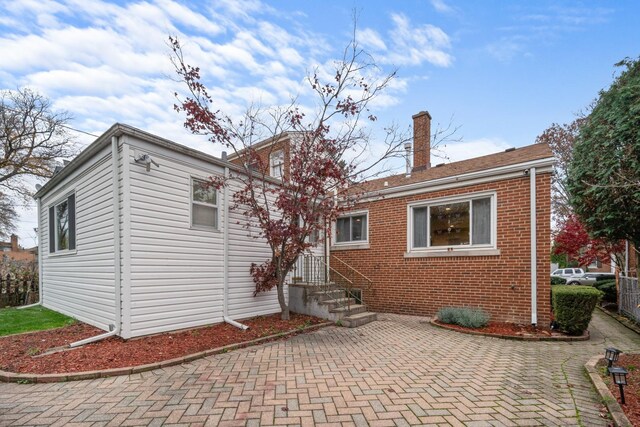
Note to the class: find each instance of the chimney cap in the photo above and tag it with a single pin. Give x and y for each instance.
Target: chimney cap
(420, 114)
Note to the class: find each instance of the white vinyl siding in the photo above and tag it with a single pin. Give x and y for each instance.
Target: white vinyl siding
(80, 283)
(176, 270)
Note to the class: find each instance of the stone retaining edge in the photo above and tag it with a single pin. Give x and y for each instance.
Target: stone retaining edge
(583, 337)
(619, 418)
(14, 377)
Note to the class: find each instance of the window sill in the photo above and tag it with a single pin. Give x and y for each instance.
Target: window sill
(349, 247)
(62, 253)
(452, 253)
(204, 228)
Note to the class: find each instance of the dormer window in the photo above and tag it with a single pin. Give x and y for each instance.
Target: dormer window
(276, 164)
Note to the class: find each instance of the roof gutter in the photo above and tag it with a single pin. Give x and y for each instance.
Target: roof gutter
(541, 164)
(113, 329)
(119, 129)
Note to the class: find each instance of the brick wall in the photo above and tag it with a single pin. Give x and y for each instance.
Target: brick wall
(420, 286)
(264, 152)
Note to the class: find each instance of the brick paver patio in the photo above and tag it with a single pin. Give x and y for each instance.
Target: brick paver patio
(396, 371)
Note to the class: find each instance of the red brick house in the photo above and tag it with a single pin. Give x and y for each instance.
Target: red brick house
(13, 251)
(472, 233)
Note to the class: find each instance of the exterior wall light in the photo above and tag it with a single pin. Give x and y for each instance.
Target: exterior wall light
(620, 379)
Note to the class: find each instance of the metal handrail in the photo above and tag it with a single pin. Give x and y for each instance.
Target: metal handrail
(352, 268)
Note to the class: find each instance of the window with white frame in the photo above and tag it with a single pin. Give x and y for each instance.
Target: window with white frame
(62, 225)
(204, 204)
(352, 228)
(276, 164)
(465, 222)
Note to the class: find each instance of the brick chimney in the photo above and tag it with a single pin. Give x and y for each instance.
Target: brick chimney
(421, 141)
(14, 243)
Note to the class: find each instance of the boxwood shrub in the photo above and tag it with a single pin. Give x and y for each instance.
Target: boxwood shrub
(557, 280)
(463, 316)
(608, 288)
(573, 307)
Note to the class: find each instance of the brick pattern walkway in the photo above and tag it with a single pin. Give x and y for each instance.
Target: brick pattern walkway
(393, 372)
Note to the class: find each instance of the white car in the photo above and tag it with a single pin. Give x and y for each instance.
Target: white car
(567, 272)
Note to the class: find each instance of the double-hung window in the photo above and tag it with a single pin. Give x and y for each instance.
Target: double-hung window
(62, 225)
(276, 164)
(352, 228)
(204, 204)
(464, 223)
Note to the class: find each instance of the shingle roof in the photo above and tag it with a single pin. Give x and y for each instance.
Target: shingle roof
(491, 161)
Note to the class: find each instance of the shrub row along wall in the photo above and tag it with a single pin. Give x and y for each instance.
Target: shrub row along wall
(573, 307)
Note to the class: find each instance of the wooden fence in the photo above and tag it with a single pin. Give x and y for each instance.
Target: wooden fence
(629, 297)
(15, 292)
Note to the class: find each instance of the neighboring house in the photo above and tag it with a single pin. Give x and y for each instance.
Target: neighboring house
(139, 244)
(13, 251)
(272, 155)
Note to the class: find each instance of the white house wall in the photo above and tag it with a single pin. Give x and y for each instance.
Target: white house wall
(81, 284)
(176, 271)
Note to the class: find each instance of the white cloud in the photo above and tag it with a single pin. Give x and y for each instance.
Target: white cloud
(407, 44)
(470, 149)
(441, 6)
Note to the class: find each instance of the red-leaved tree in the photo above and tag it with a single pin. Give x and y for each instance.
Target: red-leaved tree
(329, 151)
(574, 241)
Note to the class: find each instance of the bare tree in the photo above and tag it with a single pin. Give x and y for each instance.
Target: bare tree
(8, 217)
(32, 138)
(561, 139)
(330, 151)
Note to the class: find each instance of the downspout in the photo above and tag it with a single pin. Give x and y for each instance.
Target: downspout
(534, 254)
(225, 252)
(39, 302)
(113, 329)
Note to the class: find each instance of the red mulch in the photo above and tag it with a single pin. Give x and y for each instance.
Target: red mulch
(509, 329)
(631, 408)
(23, 353)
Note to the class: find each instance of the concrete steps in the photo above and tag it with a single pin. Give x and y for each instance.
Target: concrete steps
(359, 319)
(329, 302)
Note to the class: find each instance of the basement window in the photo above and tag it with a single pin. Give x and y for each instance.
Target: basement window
(453, 224)
(204, 204)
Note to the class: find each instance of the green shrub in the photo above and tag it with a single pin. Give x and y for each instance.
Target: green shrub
(573, 307)
(557, 280)
(608, 288)
(463, 316)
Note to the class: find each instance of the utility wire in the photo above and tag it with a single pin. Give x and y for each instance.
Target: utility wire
(60, 124)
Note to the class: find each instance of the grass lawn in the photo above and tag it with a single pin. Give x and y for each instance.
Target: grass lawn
(14, 321)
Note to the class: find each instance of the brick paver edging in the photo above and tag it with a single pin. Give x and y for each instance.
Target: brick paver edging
(583, 337)
(619, 418)
(623, 320)
(88, 375)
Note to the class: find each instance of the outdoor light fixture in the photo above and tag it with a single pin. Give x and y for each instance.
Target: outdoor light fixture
(611, 355)
(620, 379)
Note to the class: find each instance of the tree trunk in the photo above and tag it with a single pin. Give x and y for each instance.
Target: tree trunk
(283, 303)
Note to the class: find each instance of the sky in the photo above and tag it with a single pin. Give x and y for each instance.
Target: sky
(499, 71)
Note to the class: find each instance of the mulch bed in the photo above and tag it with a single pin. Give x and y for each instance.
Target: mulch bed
(27, 353)
(631, 408)
(507, 329)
